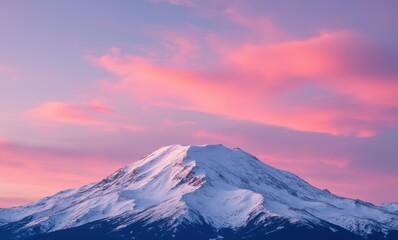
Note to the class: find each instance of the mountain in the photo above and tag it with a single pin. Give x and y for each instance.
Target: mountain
(391, 207)
(199, 192)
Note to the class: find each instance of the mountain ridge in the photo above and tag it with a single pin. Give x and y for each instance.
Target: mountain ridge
(208, 185)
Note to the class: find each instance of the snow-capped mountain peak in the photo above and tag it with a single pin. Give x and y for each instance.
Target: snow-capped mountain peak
(209, 184)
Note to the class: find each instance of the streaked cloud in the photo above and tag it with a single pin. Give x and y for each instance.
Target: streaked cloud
(338, 86)
(92, 114)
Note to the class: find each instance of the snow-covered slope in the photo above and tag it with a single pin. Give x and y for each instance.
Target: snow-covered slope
(391, 207)
(222, 187)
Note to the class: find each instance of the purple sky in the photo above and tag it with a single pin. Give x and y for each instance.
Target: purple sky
(306, 86)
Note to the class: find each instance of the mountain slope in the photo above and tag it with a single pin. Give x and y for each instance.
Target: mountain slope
(210, 187)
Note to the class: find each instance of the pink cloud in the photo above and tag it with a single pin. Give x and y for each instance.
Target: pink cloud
(91, 114)
(161, 85)
(258, 80)
(70, 113)
(314, 57)
(181, 47)
(49, 170)
(336, 60)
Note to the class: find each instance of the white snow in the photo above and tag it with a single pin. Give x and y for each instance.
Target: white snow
(391, 207)
(223, 187)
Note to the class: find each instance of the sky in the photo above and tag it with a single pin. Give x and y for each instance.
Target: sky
(307, 86)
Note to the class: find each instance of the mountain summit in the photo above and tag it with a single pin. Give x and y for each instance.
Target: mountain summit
(199, 192)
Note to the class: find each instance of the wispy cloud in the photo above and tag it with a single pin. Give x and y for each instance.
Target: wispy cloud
(91, 114)
(260, 83)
